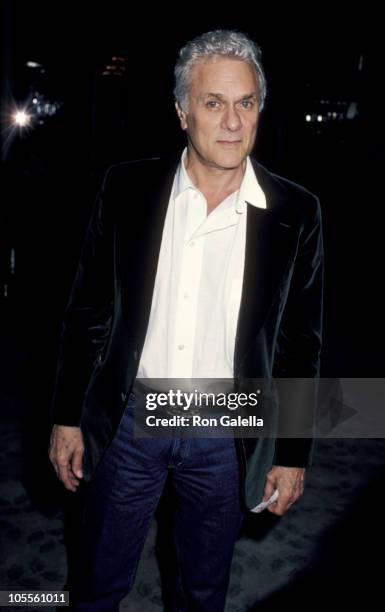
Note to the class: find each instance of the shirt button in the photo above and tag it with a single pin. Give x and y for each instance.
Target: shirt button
(181, 347)
(186, 295)
(192, 243)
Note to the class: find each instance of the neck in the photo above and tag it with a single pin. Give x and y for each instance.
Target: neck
(210, 179)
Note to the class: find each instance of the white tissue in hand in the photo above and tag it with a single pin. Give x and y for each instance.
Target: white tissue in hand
(264, 505)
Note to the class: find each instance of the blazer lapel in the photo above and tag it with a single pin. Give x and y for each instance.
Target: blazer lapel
(140, 241)
(271, 238)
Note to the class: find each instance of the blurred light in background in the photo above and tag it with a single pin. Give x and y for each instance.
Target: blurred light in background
(326, 111)
(21, 118)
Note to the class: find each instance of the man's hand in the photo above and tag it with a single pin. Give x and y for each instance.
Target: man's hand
(66, 448)
(290, 483)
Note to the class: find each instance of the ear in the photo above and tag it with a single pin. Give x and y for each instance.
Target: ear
(182, 116)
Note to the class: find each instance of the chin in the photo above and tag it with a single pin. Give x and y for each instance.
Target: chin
(229, 161)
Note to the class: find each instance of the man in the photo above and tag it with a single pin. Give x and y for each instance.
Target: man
(204, 265)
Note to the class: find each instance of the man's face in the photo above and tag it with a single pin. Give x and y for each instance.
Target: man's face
(221, 121)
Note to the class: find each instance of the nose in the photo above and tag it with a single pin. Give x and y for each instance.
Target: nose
(231, 120)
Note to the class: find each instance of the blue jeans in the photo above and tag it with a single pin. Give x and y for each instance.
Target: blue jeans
(120, 503)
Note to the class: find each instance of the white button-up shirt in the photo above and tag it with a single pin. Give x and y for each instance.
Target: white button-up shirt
(195, 305)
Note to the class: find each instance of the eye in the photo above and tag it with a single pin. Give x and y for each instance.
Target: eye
(247, 103)
(212, 104)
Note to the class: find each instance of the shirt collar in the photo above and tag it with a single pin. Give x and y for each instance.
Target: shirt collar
(250, 191)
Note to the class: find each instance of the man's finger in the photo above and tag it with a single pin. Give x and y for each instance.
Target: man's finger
(268, 491)
(66, 476)
(71, 483)
(282, 504)
(64, 473)
(77, 463)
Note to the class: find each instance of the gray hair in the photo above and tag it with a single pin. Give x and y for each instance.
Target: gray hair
(228, 43)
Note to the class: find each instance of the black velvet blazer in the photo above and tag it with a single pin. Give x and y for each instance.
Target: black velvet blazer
(104, 327)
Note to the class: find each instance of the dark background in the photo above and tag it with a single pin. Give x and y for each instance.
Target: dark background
(115, 109)
(317, 61)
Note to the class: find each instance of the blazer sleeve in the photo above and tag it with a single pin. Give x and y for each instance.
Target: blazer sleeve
(297, 358)
(87, 318)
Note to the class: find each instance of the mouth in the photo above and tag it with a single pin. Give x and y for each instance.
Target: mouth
(229, 143)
